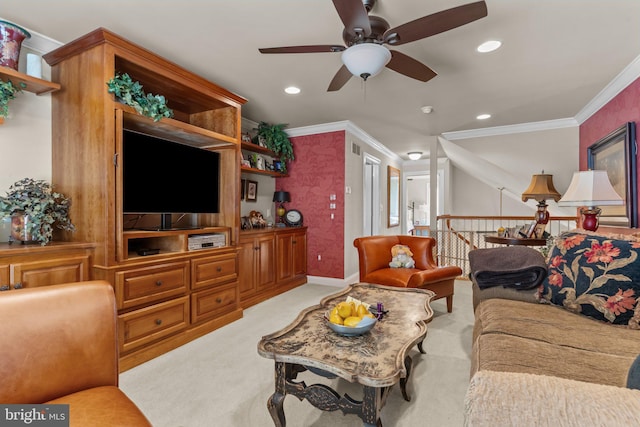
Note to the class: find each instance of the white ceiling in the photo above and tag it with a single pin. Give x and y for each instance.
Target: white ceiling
(557, 55)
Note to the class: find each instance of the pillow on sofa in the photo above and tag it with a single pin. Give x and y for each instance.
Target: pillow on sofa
(595, 275)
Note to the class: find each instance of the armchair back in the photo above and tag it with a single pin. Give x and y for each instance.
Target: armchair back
(57, 340)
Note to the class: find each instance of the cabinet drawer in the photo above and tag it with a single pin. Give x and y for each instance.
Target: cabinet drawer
(214, 302)
(148, 324)
(150, 284)
(214, 270)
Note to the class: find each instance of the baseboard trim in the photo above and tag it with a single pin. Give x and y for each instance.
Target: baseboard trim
(332, 281)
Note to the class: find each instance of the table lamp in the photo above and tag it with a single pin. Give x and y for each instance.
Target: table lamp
(587, 190)
(281, 197)
(540, 189)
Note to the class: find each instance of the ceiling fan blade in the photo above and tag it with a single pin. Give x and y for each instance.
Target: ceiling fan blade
(354, 16)
(436, 23)
(317, 48)
(340, 79)
(410, 67)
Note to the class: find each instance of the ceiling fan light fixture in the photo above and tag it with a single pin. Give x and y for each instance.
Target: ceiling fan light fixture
(415, 155)
(366, 59)
(489, 46)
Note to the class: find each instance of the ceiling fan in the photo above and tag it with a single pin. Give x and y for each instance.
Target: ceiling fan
(365, 35)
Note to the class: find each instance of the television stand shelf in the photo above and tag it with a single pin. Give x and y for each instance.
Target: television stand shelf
(165, 241)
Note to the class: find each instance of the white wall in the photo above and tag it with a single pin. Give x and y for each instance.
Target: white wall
(522, 155)
(25, 136)
(25, 139)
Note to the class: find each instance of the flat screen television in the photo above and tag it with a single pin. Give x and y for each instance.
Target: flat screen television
(166, 177)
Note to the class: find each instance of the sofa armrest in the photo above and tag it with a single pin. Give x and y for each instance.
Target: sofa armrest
(508, 398)
(57, 340)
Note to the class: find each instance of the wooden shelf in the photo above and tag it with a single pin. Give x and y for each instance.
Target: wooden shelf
(28, 83)
(175, 130)
(257, 149)
(274, 174)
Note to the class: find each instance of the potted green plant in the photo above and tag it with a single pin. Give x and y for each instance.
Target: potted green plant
(34, 209)
(277, 141)
(8, 92)
(131, 93)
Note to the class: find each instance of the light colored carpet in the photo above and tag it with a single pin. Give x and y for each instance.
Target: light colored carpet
(220, 380)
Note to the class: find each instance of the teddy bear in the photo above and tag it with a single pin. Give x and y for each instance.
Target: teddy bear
(402, 257)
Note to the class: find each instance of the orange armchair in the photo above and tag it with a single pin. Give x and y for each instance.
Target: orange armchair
(375, 254)
(59, 346)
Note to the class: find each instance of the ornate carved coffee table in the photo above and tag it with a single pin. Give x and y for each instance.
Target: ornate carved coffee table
(377, 360)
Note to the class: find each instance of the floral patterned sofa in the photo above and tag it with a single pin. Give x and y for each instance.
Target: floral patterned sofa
(538, 353)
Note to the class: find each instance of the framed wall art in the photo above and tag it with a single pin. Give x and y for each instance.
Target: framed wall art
(252, 191)
(616, 153)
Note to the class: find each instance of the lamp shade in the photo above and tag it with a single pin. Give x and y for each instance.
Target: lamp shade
(541, 188)
(281, 196)
(590, 188)
(366, 59)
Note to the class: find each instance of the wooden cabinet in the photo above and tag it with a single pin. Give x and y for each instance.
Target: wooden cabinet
(257, 258)
(29, 266)
(292, 254)
(177, 294)
(272, 261)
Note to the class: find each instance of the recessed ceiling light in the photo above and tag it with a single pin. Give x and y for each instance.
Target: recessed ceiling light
(483, 116)
(292, 90)
(489, 46)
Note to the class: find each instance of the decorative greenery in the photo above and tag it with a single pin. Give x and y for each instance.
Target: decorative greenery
(131, 93)
(277, 141)
(7, 92)
(45, 208)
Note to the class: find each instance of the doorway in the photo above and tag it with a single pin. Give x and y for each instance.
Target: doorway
(418, 209)
(371, 196)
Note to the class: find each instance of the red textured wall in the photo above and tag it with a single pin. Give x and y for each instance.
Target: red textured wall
(623, 108)
(315, 174)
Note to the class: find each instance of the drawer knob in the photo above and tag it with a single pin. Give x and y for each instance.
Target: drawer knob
(218, 300)
(158, 322)
(18, 286)
(159, 283)
(219, 269)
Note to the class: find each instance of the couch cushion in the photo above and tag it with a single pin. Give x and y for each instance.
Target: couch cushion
(511, 399)
(102, 407)
(595, 275)
(544, 339)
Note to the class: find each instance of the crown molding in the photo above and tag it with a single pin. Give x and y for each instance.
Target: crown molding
(511, 129)
(346, 126)
(627, 76)
(39, 43)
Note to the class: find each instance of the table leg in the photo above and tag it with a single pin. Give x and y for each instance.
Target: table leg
(420, 347)
(408, 363)
(276, 401)
(371, 406)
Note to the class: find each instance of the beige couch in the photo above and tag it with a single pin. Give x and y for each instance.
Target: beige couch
(542, 364)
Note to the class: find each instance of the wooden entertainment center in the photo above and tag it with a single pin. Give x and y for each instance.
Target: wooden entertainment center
(168, 298)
